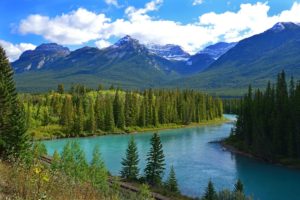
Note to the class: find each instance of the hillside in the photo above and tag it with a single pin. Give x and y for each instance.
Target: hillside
(254, 60)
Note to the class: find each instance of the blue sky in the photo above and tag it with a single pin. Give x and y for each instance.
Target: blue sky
(193, 24)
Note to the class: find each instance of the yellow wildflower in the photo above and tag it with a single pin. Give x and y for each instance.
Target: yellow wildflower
(37, 170)
(46, 178)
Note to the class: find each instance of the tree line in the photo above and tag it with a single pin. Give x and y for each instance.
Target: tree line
(231, 105)
(84, 111)
(268, 123)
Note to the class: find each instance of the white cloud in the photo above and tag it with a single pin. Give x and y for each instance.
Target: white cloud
(77, 27)
(13, 51)
(140, 14)
(197, 2)
(249, 20)
(112, 2)
(81, 26)
(102, 44)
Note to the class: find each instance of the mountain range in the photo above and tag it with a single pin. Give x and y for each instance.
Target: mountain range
(224, 68)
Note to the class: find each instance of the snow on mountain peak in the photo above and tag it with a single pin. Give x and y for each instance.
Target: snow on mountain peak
(168, 51)
(280, 26)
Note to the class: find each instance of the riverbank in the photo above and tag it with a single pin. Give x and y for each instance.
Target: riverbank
(284, 162)
(57, 132)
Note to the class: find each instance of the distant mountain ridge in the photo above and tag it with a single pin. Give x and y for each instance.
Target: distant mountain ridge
(41, 56)
(254, 60)
(131, 64)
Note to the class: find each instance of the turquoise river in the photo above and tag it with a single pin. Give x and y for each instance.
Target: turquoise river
(196, 160)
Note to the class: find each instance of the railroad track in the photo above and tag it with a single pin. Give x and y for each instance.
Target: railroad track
(123, 185)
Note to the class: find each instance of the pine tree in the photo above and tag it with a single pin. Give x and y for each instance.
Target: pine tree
(46, 117)
(171, 183)
(109, 116)
(56, 161)
(91, 125)
(130, 169)
(239, 187)
(13, 139)
(118, 111)
(67, 159)
(100, 113)
(81, 168)
(79, 120)
(18, 140)
(60, 88)
(67, 113)
(98, 173)
(155, 162)
(210, 192)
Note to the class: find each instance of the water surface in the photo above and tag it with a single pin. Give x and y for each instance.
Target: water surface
(196, 161)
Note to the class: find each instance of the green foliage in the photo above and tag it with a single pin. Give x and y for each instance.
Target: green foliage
(13, 138)
(91, 124)
(86, 112)
(61, 88)
(56, 161)
(239, 187)
(39, 149)
(98, 174)
(268, 122)
(130, 168)
(171, 183)
(145, 193)
(155, 162)
(79, 120)
(231, 105)
(210, 192)
(118, 111)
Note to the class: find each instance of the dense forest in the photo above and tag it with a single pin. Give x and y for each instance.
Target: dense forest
(83, 111)
(231, 105)
(268, 124)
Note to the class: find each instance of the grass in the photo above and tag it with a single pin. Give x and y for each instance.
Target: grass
(21, 182)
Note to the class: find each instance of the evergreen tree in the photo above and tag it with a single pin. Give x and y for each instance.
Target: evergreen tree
(67, 159)
(210, 192)
(100, 113)
(268, 122)
(100, 87)
(80, 165)
(46, 117)
(56, 161)
(109, 116)
(171, 183)
(60, 88)
(18, 140)
(155, 161)
(118, 111)
(91, 125)
(239, 187)
(67, 113)
(97, 171)
(130, 169)
(13, 139)
(79, 120)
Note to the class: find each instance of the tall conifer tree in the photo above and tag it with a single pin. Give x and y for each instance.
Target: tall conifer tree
(155, 161)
